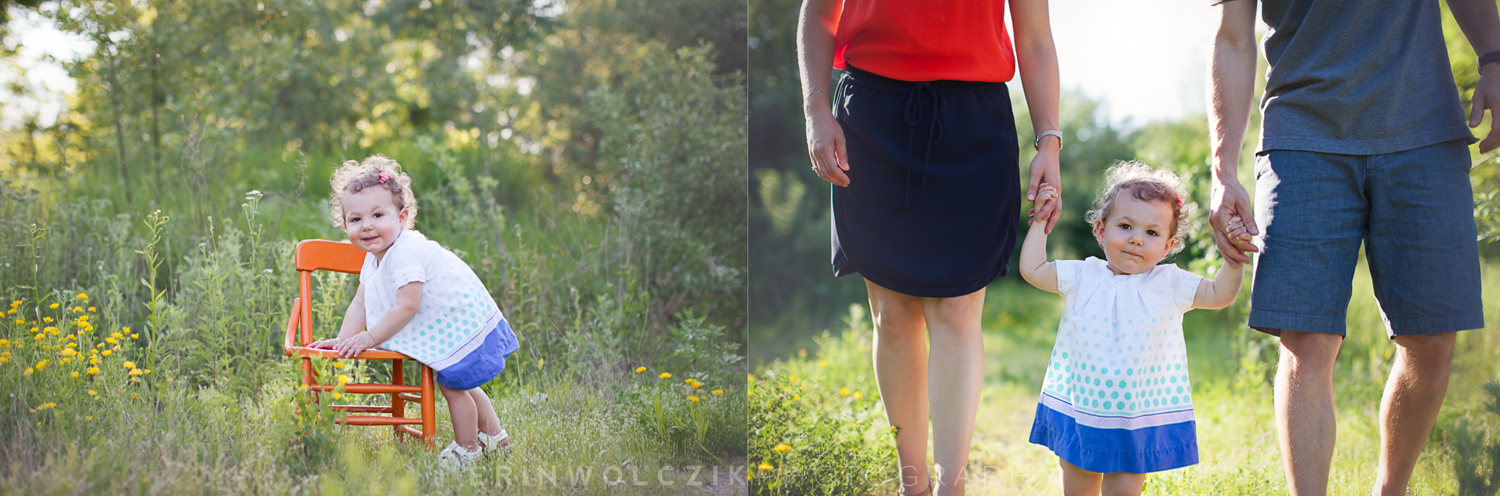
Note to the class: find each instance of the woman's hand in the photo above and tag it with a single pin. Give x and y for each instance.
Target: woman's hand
(1044, 173)
(347, 348)
(825, 146)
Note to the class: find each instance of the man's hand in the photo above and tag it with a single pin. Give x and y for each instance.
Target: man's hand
(1487, 97)
(1231, 203)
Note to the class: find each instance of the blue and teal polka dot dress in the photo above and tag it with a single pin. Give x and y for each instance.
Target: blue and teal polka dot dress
(458, 330)
(1116, 396)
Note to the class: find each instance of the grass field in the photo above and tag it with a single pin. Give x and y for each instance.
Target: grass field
(1230, 367)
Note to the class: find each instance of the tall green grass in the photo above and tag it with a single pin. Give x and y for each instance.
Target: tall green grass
(835, 446)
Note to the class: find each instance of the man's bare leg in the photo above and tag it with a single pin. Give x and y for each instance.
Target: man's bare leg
(1413, 396)
(1305, 420)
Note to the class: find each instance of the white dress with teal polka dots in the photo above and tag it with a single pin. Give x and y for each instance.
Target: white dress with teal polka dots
(458, 330)
(1116, 396)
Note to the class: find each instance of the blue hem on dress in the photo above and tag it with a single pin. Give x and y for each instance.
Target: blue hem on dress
(481, 365)
(1136, 451)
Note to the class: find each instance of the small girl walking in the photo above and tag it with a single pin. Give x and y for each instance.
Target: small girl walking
(420, 299)
(1115, 401)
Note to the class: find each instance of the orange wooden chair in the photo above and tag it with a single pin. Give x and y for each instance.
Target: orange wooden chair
(317, 254)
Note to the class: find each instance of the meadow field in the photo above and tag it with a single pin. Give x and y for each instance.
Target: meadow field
(822, 405)
(148, 229)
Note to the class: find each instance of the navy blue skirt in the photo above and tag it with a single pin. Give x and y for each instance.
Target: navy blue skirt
(934, 195)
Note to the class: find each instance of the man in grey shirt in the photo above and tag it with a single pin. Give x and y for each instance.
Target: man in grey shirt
(1363, 141)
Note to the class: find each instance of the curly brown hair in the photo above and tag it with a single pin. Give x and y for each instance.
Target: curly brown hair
(1145, 184)
(353, 177)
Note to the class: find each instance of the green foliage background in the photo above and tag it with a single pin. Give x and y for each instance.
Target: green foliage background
(587, 159)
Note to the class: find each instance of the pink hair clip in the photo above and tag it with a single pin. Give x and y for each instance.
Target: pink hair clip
(384, 176)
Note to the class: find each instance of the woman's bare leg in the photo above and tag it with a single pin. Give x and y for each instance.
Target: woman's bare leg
(900, 355)
(955, 372)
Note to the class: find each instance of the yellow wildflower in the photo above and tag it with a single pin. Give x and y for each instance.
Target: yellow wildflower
(822, 363)
(117, 335)
(26, 372)
(697, 384)
(111, 341)
(336, 395)
(92, 393)
(16, 303)
(766, 467)
(92, 309)
(894, 429)
(343, 379)
(688, 380)
(640, 369)
(794, 379)
(693, 399)
(782, 448)
(752, 377)
(665, 375)
(4, 343)
(105, 353)
(134, 336)
(52, 306)
(92, 370)
(718, 392)
(90, 417)
(858, 395)
(796, 397)
(339, 365)
(77, 309)
(131, 365)
(844, 392)
(20, 321)
(94, 360)
(40, 364)
(134, 396)
(83, 296)
(47, 319)
(75, 375)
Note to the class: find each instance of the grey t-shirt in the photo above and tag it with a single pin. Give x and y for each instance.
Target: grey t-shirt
(1357, 77)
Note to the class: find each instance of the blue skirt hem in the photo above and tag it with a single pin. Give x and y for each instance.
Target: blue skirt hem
(1136, 451)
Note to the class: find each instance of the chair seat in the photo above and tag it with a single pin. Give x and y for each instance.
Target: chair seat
(368, 354)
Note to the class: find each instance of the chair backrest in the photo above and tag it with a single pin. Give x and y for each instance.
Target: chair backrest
(319, 254)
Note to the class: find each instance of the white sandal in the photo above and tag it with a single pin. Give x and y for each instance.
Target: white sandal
(488, 443)
(455, 456)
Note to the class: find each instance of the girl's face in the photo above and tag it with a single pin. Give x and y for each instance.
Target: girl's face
(372, 220)
(1135, 235)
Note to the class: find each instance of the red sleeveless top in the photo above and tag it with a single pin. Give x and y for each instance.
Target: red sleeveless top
(925, 40)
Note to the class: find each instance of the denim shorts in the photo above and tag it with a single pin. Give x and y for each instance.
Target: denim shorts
(1412, 209)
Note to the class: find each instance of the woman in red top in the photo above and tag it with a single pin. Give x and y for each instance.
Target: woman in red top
(921, 148)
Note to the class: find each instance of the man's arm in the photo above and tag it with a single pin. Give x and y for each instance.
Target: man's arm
(1481, 25)
(1231, 88)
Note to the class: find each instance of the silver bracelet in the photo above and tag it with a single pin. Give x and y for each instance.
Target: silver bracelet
(1037, 143)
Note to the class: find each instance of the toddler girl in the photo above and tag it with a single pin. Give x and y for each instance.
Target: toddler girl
(419, 299)
(1115, 402)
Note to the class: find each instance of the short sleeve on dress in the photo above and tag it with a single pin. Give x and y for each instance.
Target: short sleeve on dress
(1184, 287)
(1068, 272)
(404, 265)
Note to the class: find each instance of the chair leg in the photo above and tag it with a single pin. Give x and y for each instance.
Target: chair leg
(429, 420)
(398, 407)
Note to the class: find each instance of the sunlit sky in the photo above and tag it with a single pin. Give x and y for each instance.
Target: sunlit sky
(1147, 59)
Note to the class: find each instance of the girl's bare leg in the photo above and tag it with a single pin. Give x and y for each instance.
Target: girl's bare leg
(1077, 481)
(900, 355)
(488, 421)
(955, 372)
(1123, 484)
(465, 417)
